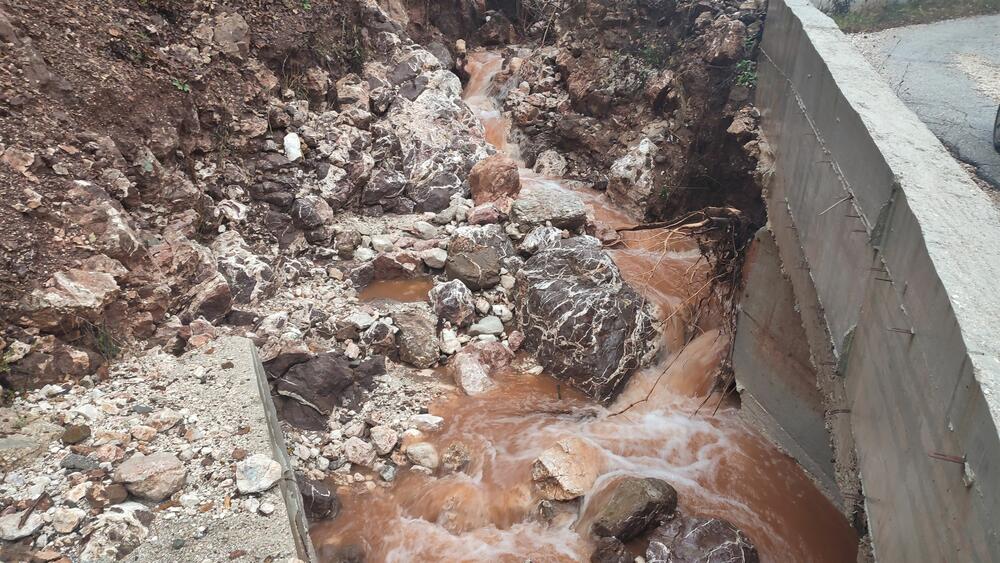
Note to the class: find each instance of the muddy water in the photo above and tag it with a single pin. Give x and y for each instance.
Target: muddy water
(400, 291)
(719, 467)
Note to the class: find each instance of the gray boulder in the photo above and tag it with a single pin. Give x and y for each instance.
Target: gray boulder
(541, 205)
(582, 321)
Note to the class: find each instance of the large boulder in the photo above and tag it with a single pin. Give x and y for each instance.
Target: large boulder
(417, 338)
(436, 134)
(543, 205)
(494, 180)
(635, 504)
(307, 390)
(250, 277)
(686, 538)
(583, 322)
(632, 182)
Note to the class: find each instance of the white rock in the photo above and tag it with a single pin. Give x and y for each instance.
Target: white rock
(449, 342)
(487, 325)
(293, 147)
(384, 438)
(251, 504)
(66, 520)
(425, 230)
(257, 473)
(567, 470)
(503, 312)
(423, 454)
(362, 254)
(359, 452)
(426, 422)
(482, 305)
(266, 508)
(10, 528)
(434, 257)
(381, 243)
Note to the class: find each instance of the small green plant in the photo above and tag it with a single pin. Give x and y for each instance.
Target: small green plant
(20, 422)
(307, 5)
(107, 345)
(182, 86)
(746, 73)
(654, 55)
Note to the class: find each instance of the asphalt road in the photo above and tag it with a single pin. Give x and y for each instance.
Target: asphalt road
(948, 73)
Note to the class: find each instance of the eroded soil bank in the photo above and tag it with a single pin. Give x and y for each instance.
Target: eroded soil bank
(486, 251)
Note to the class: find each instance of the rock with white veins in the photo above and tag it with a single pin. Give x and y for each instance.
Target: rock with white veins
(257, 473)
(585, 325)
(453, 302)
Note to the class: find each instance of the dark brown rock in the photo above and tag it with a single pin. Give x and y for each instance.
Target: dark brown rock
(318, 500)
(610, 550)
(634, 505)
(75, 433)
(417, 337)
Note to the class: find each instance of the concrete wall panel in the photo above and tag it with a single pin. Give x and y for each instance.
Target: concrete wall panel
(913, 276)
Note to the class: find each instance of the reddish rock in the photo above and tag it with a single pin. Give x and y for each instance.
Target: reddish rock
(154, 477)
(485, 214)
(494, 179)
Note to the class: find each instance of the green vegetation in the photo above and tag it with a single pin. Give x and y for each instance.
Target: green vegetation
(746, 73)
(182, 86)
(654, 55)
(107, 345)
(307, 5)
(913, 12)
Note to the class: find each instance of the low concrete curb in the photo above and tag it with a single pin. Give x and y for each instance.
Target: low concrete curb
(289, 486)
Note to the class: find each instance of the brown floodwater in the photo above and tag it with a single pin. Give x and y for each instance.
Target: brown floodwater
(667, 424)
(400, 291)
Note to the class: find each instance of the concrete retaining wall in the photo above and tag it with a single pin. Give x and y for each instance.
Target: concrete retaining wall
(853, 5)
(901, 255)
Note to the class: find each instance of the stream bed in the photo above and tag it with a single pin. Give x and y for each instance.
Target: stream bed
(666, 424)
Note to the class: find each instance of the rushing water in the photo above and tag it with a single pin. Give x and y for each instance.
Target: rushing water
(718, 466)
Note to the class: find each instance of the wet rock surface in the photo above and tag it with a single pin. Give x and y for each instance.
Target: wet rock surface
(633, 506)
(686, 538)
(580, 318)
